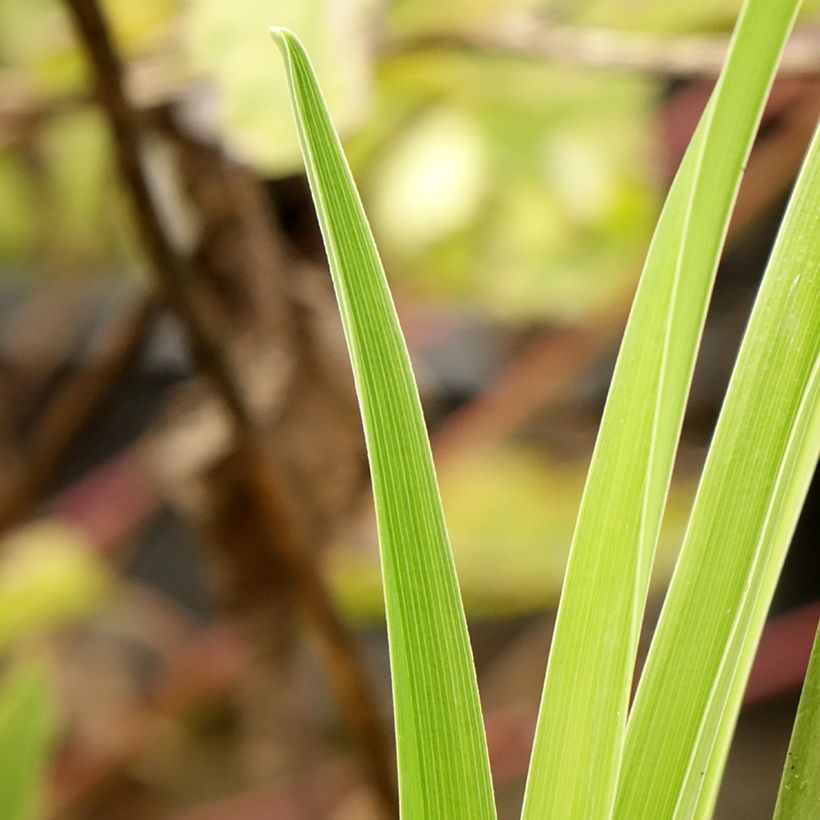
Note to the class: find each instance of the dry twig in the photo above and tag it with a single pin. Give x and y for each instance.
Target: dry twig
(680, 56)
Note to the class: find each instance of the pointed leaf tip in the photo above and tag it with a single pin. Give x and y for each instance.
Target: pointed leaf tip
(283, 37)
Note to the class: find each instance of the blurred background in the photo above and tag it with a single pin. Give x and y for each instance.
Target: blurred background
(187, 546)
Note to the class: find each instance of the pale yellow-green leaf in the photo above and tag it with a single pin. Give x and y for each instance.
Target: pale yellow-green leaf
(432, 181)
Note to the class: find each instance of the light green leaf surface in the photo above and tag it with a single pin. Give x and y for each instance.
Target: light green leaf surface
(581, 725)
(799, 797)
(26, 730)
(758, 470)
(442, 755)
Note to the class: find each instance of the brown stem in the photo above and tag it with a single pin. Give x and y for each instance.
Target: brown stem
(345, 668)
(537, 376)
(69, 414)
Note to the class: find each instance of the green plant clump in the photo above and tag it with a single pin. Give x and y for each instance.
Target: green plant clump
(594, 758)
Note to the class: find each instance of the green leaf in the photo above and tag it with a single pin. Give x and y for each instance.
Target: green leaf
(494, 498)
(442, 754)
(581, 725)
(723, 738)
(756, 476)
(799, 797)
(26, 730)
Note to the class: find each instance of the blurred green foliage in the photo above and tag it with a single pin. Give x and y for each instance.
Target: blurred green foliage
(232, 47)
(49, 576)
(27, 728)
(521, 189)
(36, 39)
(506, 503)
(18, 224)
(668, 18)
(517, 188)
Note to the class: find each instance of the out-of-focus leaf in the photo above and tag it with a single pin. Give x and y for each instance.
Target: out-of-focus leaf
(27, 724)
(554, 198)
(432, 183)
(18, 224)
(48, 576)
(413, 16)
(66, 216)
(80, 212)
(646, 15)
(799, 797)
(35, 36)
(228, 42)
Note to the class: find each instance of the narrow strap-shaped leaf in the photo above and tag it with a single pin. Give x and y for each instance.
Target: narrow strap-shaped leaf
(754, 482)
(581, 725)
(442, 753)
(26, 732)
(713, 774)
(799, 797)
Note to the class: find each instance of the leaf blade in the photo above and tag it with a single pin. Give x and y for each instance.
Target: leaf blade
(442, 752)
(759, 466)
(27, 725)
(799, 795)
(581, 725)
